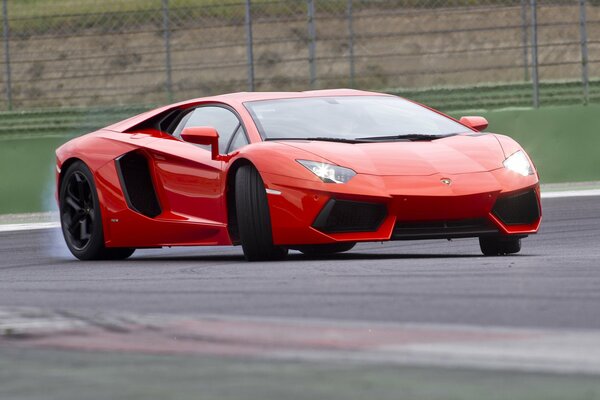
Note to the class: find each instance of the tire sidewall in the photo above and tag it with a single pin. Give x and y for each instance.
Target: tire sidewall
(96, 243)
(253, 217)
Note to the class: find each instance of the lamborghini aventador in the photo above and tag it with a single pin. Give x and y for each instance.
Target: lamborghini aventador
(313, 171)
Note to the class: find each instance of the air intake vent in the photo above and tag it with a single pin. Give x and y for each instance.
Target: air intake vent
(518, 209)
(340, 216)
(136, 182)
(442, 229)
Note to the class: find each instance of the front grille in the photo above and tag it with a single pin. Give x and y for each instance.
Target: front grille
(518, 209)
(442, 229)
(338, 216)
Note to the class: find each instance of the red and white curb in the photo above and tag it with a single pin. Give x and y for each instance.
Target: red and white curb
(450, 346)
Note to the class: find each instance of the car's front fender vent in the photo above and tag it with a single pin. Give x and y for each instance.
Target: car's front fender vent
(136, 181)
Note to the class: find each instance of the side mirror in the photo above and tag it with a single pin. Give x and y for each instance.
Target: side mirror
(477, 123)
(205, 135)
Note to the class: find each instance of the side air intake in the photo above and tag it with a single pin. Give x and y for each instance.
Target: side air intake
(339, 216)
(518, 209)
(442, 229)
(136, 181)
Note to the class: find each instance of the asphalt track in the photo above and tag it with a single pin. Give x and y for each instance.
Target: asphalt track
(553, 283)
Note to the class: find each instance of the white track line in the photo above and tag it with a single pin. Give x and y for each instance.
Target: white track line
(51, 225)
(28, 227)
(570, 193)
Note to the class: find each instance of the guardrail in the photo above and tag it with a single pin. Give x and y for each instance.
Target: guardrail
(74, 121)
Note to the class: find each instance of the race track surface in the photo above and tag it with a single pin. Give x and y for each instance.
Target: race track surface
(553, 283)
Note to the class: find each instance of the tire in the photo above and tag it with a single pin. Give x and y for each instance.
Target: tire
(254, 219)
(80, 217)
(499, 245)
(325, 249)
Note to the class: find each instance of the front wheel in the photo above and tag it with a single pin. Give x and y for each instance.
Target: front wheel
(499, 245)
(80, 217)
(253, 216)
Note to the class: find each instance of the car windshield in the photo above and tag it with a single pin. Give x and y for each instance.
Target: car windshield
(353, 118)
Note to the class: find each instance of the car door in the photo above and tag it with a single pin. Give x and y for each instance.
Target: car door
(191, 181)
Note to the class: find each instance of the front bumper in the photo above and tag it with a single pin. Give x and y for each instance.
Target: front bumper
(381, 208)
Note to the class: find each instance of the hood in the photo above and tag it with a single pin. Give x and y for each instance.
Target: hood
(452, 155)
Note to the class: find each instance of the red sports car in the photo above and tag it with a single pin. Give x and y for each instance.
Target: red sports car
(314, 171)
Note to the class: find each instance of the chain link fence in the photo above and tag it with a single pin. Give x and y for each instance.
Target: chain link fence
(451, 54)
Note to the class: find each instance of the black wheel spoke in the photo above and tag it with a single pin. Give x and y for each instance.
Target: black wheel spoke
(78, 210)
(84, 233)
(68, 222)
(70, 190)
(73, 203)
(81, 183)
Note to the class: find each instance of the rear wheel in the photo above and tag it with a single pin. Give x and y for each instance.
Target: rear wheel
(499, 245)
(80, 217)
(254, 219)
(325, 249)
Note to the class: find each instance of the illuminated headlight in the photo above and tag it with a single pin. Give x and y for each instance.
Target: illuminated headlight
(328, 173)
(519, 163)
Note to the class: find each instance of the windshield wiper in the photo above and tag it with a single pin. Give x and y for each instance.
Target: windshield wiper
(412, 137)
(323, 139)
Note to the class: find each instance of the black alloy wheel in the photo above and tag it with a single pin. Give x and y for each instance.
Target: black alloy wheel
(78, 211)
(80, 217)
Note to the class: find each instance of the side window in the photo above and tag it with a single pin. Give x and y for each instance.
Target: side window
(223, 120)
(239, 140)
(181, 125)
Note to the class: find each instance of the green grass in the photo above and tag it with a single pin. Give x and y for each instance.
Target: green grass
(69, 375)
(32, 8)
(562, 140)
(27, 143)
(64, 121)
(57, 16)
(27, 174)
(499, 95)
(35, 8)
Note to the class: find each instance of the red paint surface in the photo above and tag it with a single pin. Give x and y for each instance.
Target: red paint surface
(191, 184)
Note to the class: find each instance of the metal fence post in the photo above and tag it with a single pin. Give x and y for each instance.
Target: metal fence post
(351, 43)
(249, 46)
(312, 37)
(534, 55)
(167, 38)
(584, 52)
(525, 33)
(5, 36)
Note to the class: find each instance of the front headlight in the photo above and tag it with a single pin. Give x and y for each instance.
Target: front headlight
(328, 173)
(519, 163)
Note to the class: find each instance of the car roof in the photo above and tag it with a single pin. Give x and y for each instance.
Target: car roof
(239, 97)
(256, 96)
